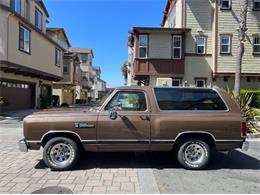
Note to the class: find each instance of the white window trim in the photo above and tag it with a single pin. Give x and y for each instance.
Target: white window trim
(255, 44)
(197, 45)
(203, 80)
(229, 2)
(37, 24)
(256, 9)
(24, 42)
(229, 44)
(60, 54)
(147, 40)
(173, 47)
(179, 80)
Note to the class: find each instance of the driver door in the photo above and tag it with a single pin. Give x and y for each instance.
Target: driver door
(130, 129)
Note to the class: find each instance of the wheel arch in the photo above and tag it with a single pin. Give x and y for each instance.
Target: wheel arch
(204, 135)
(60, 133)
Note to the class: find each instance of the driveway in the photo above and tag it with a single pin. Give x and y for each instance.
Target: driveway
(153, 172)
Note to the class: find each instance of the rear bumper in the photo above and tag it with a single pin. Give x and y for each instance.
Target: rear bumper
(23, 146)
(227, 145)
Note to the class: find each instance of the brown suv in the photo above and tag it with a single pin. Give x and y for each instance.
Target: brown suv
(190, 121)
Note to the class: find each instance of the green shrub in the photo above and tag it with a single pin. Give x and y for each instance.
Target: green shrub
(244, 100)
(255, 103)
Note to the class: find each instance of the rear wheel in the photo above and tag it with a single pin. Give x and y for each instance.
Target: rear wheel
(60, 153)
(193, 154)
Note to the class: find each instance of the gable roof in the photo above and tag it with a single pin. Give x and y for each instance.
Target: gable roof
(57, 29)
(41, 4)
(82, 50)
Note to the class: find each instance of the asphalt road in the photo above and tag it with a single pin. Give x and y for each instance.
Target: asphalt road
(159, 172)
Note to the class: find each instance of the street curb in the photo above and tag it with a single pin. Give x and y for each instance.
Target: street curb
(147, 182)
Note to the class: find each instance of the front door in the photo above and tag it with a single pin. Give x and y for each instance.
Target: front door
(130, 130)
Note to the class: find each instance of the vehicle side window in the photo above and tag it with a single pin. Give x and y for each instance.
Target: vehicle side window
(188, 99)
(128, 101)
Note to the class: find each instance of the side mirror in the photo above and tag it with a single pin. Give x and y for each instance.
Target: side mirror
(113, 114)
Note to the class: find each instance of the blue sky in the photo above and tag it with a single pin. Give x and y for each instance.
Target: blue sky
(103, 25)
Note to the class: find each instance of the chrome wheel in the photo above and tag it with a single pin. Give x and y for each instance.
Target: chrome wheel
(61, 154)
(194, 153)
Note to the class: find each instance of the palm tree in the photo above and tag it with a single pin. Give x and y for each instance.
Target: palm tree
(124, 70)
(241, 43)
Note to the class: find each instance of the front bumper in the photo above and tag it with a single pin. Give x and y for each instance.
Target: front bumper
(23, 146)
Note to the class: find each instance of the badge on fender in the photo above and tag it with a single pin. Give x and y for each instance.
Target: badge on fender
(84, 125)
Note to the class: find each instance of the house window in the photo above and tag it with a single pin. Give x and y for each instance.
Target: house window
(84, 58)
(256, 4)
(84, 76)
(225, 4)
(16, 6)
(176, 47)
(38, 19)
(65, 68)
(176, 82)
(57, 57)
(225, 43)
(24, 39)
(27, 10)
(256, 49)
(143, 46)
(200, 82)
(201, 45)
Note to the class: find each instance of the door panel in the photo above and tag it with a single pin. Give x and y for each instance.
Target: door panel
(128, 129)
(131, 129)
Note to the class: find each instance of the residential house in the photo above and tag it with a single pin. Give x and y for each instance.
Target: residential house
(29, 59)
(65, 91)
(196, 45)
(99, 85)
(84, 90)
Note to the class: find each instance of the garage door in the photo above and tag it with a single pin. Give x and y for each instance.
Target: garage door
(19, 95)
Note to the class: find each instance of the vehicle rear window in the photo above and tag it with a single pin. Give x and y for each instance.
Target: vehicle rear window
(188, 99)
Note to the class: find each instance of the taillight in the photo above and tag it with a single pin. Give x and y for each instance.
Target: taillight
(244, 129)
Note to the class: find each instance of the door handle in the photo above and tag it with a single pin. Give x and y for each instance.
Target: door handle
(145, 118)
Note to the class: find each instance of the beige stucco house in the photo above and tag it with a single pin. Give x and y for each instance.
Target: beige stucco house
(196, 45)
(99, 86)
(64, 91)
(84, 90)
(29, 59)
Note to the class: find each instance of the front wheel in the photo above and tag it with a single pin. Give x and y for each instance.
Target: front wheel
(193, 154)
(60, 153)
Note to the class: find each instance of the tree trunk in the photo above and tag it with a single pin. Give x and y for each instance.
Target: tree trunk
(241, 41)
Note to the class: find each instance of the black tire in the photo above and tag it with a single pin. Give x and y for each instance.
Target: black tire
(193, 154)
(60, 153)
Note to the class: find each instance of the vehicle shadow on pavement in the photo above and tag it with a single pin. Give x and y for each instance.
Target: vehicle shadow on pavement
(159, 160)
